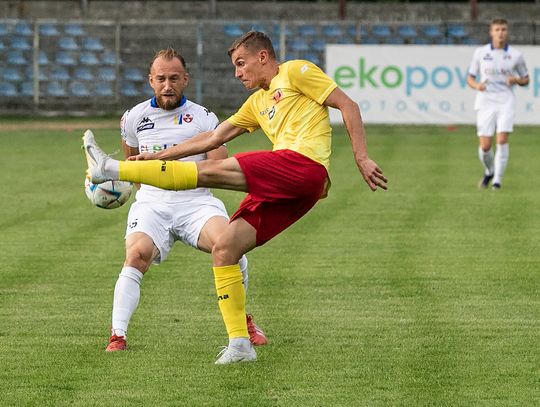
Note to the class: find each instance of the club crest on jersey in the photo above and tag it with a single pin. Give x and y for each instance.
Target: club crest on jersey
(145, 124)
(278, 94)
(188, 118)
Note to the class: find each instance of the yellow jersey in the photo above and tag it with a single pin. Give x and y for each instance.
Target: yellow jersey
(291, 111)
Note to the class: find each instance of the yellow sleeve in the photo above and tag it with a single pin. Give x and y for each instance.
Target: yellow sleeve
(244, 117)
(310, 80)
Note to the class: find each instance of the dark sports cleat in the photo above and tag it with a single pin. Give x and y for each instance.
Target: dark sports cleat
(256, 334)
(484, 182)
(496, 186)
(116, 343)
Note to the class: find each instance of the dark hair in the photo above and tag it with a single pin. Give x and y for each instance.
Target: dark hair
(254, 41)
(499, 21)
(169, 54)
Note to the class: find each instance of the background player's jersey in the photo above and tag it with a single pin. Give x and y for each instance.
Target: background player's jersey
(152, 129)
(493, 66)
(291, 111)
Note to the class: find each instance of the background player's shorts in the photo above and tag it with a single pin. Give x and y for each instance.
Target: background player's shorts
(495, 117)
(283, 185)
(166, 223)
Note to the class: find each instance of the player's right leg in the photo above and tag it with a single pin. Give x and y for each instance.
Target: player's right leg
(171, 175)
(485, 123)
(140, 251)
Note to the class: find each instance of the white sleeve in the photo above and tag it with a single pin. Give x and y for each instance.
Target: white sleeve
(128, 131)
(521, 67)
(211, 121)
(474, 68)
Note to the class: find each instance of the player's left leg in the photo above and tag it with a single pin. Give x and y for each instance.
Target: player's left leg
(502, 153)
(238, 238)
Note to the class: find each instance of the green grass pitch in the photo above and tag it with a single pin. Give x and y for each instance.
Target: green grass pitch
(424, 295)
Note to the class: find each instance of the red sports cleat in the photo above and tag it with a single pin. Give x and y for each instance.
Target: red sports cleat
(116, 343)
(256, 334)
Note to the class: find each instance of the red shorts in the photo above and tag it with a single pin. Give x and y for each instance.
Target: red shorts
(283, 185)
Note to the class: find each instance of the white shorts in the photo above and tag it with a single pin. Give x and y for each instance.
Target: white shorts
(166, 223)
(497, 117)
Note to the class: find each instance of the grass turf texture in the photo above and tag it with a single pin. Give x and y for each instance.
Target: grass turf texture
(427, 294)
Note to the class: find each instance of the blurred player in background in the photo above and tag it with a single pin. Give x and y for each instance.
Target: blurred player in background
(158, 218)
(495, 69)
(291, 107)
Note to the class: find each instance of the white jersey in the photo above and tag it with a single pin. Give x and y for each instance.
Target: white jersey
(493, 66)
(150, 129)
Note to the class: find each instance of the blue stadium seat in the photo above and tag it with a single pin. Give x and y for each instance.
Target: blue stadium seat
(65, 59)
(27, 89)
(8, 89)
(83, 74)
(368, 40)
(351, 30)
(20, 43)
(92, 44)
(12, 75)
(332, 30)
(471, 41)
(23, 28)
(3, 30)
(29, 72)
(109, 58)
(298, 45)
(233, 30)
(55, 89)
(133, 75)
(421, 41)
(60, 74)
(68, 44)
(78, 89)
(432, 31)
(2, 45)
(128, 89)
(74, 29)
(48, 30)
(318, 45)
(307, 30)
(103, 89)
(407, 32)
(395, 40)
(457, 31)
(43, 59)
(106, 74)
(89, 58)
(147, 90)
(261, 28)
(16, 58)
(381, 31)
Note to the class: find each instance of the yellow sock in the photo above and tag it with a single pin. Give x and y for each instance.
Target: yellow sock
(231, 299)
(175, 175)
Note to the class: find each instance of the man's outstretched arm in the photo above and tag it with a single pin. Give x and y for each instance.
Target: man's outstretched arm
(201, 143)
(350, 111)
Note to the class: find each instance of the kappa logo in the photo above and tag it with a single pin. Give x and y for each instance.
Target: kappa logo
(145, 124)
(488, 57)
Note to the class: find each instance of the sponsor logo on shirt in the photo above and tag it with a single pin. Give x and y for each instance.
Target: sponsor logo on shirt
(152, 148)
(145, 124)
(488, 57)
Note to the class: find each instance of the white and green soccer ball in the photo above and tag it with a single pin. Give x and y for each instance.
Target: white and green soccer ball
(108, 195)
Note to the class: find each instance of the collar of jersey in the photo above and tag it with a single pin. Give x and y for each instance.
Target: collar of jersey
(153, 102)
(505, 46)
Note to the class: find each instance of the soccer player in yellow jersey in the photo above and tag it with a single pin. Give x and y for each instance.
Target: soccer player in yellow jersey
(291, 107)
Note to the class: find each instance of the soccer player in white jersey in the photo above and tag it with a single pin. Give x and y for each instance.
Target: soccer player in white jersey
(158, 218)
(495, 69)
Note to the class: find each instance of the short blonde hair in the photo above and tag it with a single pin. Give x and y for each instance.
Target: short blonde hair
(253, 41)
(168, 54)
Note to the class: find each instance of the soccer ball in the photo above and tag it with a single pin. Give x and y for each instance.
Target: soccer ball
(109, 195)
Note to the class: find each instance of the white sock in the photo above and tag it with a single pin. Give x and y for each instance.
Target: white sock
(243, 263)
(502, 153)
(112, 168)
(126, 298)
(241, 343)
(486, 158)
